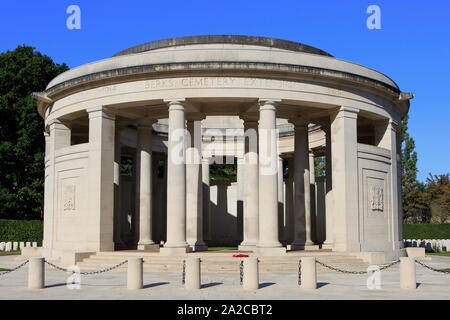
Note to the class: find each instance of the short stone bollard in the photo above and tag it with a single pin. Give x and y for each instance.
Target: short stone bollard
(250, 279)
(34, 244)
(8, 247)
(15, 246)
(27, 244)
(135, 274)
(2, 246)
(36, 273)
(21, 245)
(407, 273)
(308, 273)
(193, 274)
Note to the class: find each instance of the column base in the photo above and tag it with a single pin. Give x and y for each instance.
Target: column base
(174, 251)
(327, 245)
(198, 247)
(270, 251)
(296, 246)
(148, 246)
(247, 247)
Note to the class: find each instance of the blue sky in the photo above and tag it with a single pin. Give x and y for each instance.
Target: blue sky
(412, 47)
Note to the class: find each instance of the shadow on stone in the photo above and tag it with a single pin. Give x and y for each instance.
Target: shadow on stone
(211, 284)
(156, 284)
(321, 284)
(57, 285)
(417, 284)
(265, 284)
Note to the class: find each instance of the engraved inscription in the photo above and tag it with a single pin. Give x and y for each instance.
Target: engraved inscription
(376, 201)
(69, 197)
(217, 82)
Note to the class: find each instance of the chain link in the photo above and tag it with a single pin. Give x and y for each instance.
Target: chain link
(241, 272)
(431, 268)
(183, 273)
(14, 269)
(355, 272)
(87, 272)
(300, 272)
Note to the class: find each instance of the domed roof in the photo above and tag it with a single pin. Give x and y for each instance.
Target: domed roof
(227, 39)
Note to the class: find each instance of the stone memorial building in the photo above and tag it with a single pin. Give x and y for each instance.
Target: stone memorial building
(130, 141)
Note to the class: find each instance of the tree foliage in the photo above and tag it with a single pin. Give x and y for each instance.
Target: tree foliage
(22, 72)
(412, 190)
(438, 197)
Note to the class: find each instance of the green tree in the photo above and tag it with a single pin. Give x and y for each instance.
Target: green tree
(412, 190)
(22, 72)
(438, 196)
(319, 166)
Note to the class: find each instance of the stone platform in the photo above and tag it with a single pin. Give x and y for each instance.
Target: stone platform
(220, 261)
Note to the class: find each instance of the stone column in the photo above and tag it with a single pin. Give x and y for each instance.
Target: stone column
(312, 198)
(118, 242)
(268, 181)
(250, 189)
(290, 202)
(176, 181)
(240, 197)
(144, 155)
(194, 187)
(328, 242)
(206, 198)
(100, 180)
(344, 149)
(302, 197)
(281, 204)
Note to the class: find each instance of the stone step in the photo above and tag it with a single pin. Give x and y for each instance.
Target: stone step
(219, 263)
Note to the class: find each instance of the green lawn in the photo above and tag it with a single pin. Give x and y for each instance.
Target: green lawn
(3, 269)
(217, 248)
(443, 254)
(11, 253)
(446, 270)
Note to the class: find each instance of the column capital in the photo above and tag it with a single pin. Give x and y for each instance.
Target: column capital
(58, 123)
(176, 103)
(348, 112)
(264, 102)
(100, 111)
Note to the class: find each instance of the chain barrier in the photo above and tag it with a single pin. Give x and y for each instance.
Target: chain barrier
(183, 273)
(355, 272)
(299, 272)
(431, 268)
(87, 272)
(14, 269)
(241, 272)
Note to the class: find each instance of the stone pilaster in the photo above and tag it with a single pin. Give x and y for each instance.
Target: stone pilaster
(344, 149)
(100, 180)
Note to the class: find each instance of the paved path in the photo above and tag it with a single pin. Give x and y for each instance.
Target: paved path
(112, 285)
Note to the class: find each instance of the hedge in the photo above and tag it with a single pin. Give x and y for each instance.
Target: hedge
(21, 230)
(426, 231)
